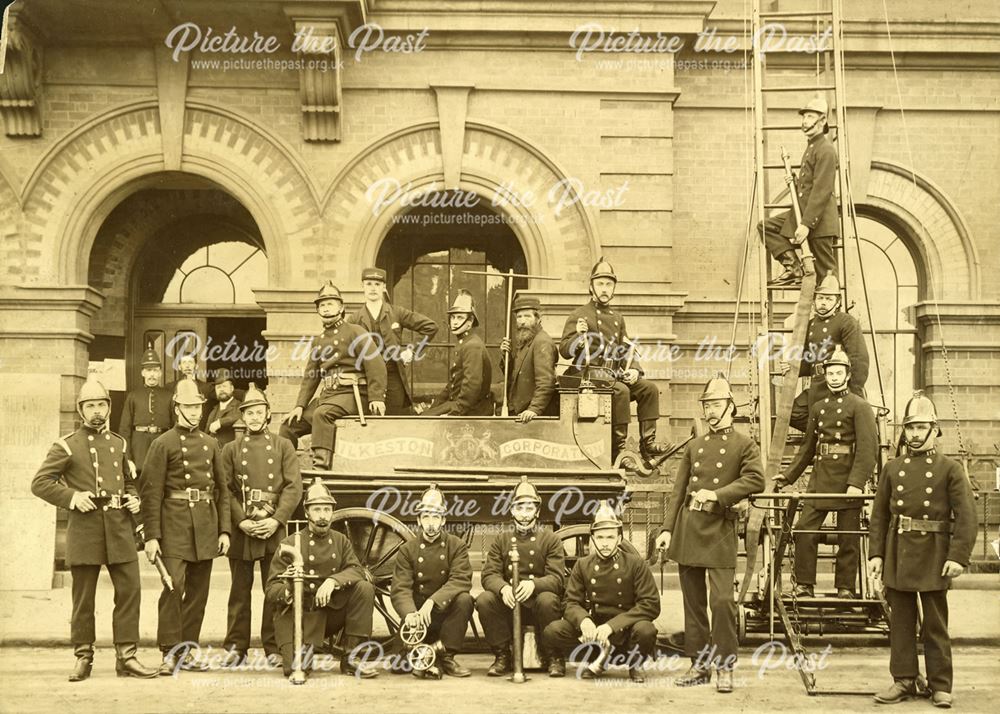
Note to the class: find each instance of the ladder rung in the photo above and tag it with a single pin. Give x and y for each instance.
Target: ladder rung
(781, 166)
(799, 13)
(777, 205)
(817, 88)
(787, 127)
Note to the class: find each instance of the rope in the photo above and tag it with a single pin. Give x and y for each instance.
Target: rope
(913, 177)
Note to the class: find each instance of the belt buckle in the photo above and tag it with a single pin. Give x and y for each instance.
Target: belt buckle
(116, 501)
(256, 494)
(824, 449)
(818, 370)
(905, 523)
(697, 505)
(194, 495)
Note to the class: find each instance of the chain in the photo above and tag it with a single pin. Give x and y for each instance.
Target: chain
(947, 375)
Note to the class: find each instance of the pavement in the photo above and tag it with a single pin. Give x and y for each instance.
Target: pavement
(34, 680)
(41, 618)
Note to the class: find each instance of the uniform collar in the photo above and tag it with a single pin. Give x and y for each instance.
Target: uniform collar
(614, 558)
(726, 430)
(929, 452)
(840, 392)
(375, 315)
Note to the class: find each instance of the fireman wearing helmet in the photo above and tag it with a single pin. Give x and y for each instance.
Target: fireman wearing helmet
(717, 471)
(185, 513)
(467, 392)
(923, 529)
(828, 328)
(595, 339)
(265, 485)
(337, 596)
(815, 188)
(346, 361)
(86, 472)
(611, 600)
(146, 412)
(842, 445)
(431, 581)
(541, 571)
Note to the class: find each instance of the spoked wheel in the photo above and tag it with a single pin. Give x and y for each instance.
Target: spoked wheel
(576, 543)
(376, 538)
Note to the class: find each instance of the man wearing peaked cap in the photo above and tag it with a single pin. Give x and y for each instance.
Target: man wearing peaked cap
(387, 321)
(346, 362)
(226, 412)
(923, 529)
(337, 595)
(532, 381)
(86, 473)
(611, 600)
(541, 572)
(185, 513)
(815, 187)
(431, 581)
(842, 446)
(262, 471)
(467, 392)
(146, 412)
(829, 328)
(596, 340)
(716, 472)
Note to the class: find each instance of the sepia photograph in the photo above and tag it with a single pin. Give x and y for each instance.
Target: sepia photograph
(499, 355)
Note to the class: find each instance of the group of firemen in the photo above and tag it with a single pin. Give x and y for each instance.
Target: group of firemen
(202, 490)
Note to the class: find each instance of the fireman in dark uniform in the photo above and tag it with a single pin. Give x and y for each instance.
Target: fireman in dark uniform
(86, 473)
(347, 362)
(611, 600)
(532, 380)
(431, 581)
(541, 572)
(146, 412)
(467, 392)
(221, 421)
(337, 596)
(185, 512)
(923, 529)
(842, 445)
(716, 472)
(828, 329)
(815, 185)
(188, 366)
(387, 321)
(602, 332)
(262, 471)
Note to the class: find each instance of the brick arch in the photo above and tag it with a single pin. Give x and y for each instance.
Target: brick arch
(563, 245)
(933, 225)
(139, 221)
(85, 175)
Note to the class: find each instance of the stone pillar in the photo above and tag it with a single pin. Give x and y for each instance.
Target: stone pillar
(44, 341)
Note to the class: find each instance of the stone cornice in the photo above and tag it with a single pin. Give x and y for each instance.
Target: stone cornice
(82, 298)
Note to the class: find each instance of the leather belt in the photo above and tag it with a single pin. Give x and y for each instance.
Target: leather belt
(712, 507)
(904, 524)
(191, 494)
(149, 429)
(114, 500)
(345, 379)
(257, 495)
(827, 449)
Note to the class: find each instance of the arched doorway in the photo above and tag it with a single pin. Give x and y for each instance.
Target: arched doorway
(426, 254)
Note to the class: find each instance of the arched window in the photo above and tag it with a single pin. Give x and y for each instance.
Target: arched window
(426, 256)
(891, 279)
(222, 273)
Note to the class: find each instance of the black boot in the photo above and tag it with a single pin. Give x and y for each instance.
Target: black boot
(321, 458)
(126, 664)
(361, 671)
(793, 269)
(619, 437)
(501, 663)
(84, 662)
(452, 668)
(557, 666)
(693, 677)
(649, 447)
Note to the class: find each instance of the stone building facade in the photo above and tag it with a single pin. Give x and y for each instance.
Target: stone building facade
(124, 159)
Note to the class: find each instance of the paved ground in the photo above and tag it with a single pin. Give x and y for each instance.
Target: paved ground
(35, 681)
